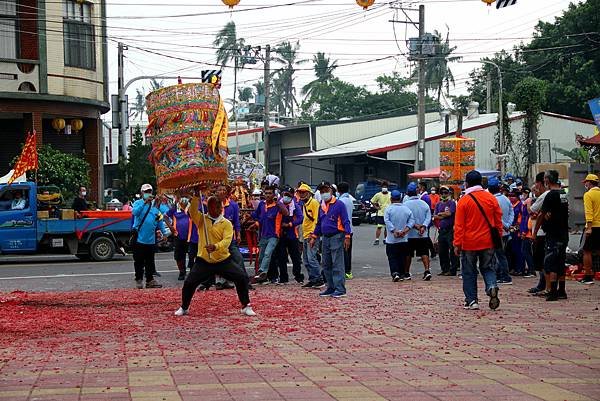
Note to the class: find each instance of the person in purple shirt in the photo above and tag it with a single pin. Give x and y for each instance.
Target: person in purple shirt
(444, 215)
(288, 241)
(181, 227)
(333, 225)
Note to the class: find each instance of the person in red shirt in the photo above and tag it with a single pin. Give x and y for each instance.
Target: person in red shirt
(477, 214)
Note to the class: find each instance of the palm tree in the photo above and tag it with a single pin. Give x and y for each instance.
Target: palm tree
(437, 73)
(324, 68)
(155, 84)
(287, 54)
(140, 104)
(245, 94)
(228, 46)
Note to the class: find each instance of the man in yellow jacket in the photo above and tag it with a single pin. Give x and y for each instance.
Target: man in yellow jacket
(213, 255)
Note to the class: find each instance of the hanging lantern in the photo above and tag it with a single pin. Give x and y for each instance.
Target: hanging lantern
(365, 3)
(488, 2)
(58, 124)
(76, 125)
(231, 3)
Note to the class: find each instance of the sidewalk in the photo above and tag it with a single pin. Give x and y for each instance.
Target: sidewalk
(397, 341)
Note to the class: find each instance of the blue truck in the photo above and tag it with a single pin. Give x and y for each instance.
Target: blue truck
(96, 236)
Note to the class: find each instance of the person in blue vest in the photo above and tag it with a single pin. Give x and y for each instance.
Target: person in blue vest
(147, 218)
(333, 225)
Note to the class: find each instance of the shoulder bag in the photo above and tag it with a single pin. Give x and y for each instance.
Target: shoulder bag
(134, 231)
(496, 238)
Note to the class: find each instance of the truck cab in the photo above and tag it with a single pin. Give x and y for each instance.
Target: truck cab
(25, 229)
(18, 212)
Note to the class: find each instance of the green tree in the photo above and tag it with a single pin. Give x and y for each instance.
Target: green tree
(530, 97)
(437, 72)
(324, 68)
(245, 94)
(155, 84)
(229, 45)
(137, 169)
(140, 104)
(65, 170)
(287, 54)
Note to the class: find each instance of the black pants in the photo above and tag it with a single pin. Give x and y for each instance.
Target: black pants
(236, 257)
(192, 254)
(143, 261)
(284, 247)
(348, 257)
(203, 271)
(448, 260)
(396, 254)
(180, 249)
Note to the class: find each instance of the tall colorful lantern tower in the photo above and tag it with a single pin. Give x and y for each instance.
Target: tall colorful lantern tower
(457, 158)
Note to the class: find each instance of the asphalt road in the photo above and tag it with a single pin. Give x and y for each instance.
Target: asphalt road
(67, 273)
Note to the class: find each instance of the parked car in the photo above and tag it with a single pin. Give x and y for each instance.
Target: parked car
(359, 213)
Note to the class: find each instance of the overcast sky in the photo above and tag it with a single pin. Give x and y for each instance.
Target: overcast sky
(186, 29)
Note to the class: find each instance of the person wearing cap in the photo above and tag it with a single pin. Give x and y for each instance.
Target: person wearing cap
(418, 238)
(444, 213)
(348, 201)
(399, 221)
(288, 241)
(554, 218)
(147, 218)
(215, 234)
(333, 225)
(268, 216)
(477, 213)
(591, 205)
(508, 216)
(380, 201)
(310, 209)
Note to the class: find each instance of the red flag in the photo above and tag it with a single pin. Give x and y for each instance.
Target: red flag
(28, 159)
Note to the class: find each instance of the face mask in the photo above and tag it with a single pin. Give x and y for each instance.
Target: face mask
(326, 196)
(83, 193)
(445, 197)
(524, 197)
(147, 196)
(287, 199)
(384, 190)
(255, 203)
(213, 219)
(432, 191)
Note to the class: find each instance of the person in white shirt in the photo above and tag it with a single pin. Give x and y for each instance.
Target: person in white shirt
(18, 203)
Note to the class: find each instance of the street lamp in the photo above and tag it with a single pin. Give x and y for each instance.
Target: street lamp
(500, 109)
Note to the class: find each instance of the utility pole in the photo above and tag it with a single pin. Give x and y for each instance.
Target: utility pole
(235, 113)
(266, 118)
(421, 105)
(488, 94)
(123, 111)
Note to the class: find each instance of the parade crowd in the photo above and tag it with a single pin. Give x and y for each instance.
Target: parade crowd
(499, 228)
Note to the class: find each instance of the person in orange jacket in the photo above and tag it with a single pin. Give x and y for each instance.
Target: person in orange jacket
(477, 214)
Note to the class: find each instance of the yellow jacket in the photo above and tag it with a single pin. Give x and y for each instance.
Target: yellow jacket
(220, 233)
(311, 209)
(591, 204)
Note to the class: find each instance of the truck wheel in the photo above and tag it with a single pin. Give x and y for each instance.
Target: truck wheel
(102, 249)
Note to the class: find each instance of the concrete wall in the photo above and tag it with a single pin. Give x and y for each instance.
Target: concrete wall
(68, 81)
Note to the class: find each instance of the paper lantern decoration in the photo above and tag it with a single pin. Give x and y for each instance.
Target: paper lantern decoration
(489, 2)
(231, 3)
(188, 131)
(76, 125)
(58, 124)
(365, 3)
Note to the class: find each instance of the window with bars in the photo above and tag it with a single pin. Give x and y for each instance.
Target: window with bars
(8, 29)
(78, 30)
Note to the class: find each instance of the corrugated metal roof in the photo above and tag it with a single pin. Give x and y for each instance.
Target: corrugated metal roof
(402, 138)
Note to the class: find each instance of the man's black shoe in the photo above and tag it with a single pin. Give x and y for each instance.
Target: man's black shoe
(396, 277)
